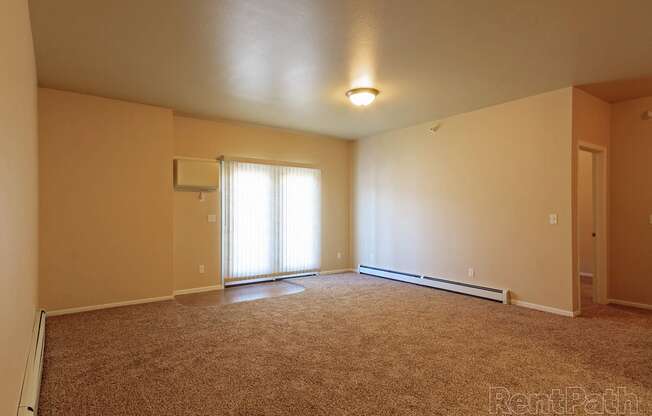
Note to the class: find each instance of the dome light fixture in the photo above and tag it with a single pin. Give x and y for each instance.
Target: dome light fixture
(362, 96)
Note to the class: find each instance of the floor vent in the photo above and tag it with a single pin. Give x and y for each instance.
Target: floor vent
(29, 394)
(498, 295)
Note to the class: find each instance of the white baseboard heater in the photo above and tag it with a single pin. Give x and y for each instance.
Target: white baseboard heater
(28, 405)
(499, 295)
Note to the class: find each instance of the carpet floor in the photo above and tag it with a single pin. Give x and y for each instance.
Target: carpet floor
(346, 345)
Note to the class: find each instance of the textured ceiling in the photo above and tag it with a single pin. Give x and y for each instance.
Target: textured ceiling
(288, 63)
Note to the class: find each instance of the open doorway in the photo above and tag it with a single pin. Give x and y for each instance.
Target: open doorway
(591, 225)
(586, 225)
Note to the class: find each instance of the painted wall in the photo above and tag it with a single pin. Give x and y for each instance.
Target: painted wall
(18, 199)
(113, 229)
(197, 242)
(630, 259)
(475, 194)
(106, 201)
(585, 215)
(591, 119)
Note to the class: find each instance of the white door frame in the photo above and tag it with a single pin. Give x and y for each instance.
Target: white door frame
(600, 225)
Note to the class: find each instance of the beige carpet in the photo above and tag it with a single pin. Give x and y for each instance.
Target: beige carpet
(347, 345)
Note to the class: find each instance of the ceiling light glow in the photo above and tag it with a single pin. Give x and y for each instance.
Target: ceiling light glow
(362, 96)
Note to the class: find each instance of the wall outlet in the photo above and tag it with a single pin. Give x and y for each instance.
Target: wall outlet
(471, 272)
(212, 218)
(552, 219)
(339, 255)
(202, 268)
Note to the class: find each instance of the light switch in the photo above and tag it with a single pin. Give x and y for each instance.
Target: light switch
(552, 219)
(212, 218)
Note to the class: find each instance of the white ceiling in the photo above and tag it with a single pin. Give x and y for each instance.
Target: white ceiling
(288, 63)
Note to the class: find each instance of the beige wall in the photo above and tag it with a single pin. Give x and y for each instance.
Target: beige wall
(18, 199)
(591, 119)
(113, 229)
(585, 213)
(475, 194)
(105, 200)
(197, 242)
(631, 202)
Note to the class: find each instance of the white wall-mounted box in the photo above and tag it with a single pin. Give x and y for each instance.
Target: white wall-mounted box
(196, 175)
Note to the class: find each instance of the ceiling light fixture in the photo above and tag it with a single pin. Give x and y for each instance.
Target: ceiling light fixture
(362, 96)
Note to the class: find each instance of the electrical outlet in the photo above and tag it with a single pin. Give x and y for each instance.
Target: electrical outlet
(202, 269)
(339, 255)
(212, 218)
(471, 272)
(552, 219)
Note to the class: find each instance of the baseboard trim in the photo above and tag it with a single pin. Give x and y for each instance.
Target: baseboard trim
(31, 387)
(544, 308)
(628, 303)
(197, 290)
(107, 305)
(584, 274)
(336, 271)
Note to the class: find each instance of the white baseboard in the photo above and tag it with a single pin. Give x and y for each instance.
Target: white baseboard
(544, 308)
(31, 387)
(336, 271)
(628, 303)
(197, 290)
(107, 305)
(585, 274)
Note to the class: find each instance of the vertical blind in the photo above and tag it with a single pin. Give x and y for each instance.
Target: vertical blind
(271, 220)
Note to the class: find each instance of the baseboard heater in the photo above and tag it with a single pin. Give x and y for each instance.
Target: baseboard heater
(28, 405)
(269, 279)
(498, 295)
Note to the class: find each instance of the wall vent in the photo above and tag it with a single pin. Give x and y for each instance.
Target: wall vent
(498, 295)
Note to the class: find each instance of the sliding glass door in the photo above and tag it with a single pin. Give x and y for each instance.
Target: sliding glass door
(271, 220)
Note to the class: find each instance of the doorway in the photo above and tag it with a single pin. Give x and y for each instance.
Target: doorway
(271, 221)
(591, 226)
